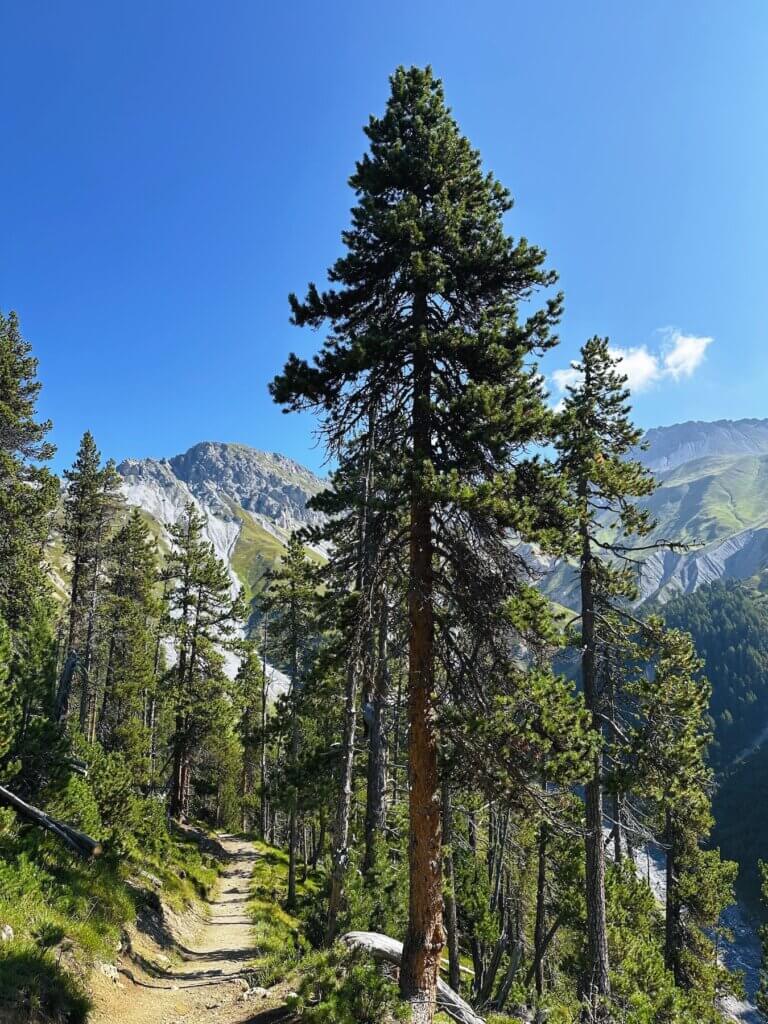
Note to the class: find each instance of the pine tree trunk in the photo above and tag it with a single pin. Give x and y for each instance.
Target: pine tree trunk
(376, 797)
(424, 936)
(263, 808)
(101, 728)
(74, 601)
(597, 981)
(672, 923)
(89, 696)
(177, 777)
(539, 933)
(317, 852)
(397, 718)
(292, 820)
(451, 920)
(340, 855)
(85, 676)
(617, 851)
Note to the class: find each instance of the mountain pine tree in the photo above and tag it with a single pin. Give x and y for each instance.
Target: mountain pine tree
(424, 323)
(595, 441)
(290, 602)
(27, 490)
(203, 617)
(669, 758)
(250, 694)
(91, 504)
(129, 627)
(8, 710)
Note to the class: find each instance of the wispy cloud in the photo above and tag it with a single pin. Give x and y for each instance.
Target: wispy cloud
(683, 353)
(639, 365)
(678, 356)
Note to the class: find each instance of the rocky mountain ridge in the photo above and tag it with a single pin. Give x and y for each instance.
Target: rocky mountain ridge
(252, 500)
(712, 496)
(671, 446)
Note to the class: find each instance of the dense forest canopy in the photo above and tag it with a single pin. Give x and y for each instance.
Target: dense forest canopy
(729, 625)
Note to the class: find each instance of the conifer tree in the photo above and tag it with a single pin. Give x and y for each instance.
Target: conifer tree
(358, 524)
(669, 758)
(249, 695)
(424, 325)
(38, 746)
(27, 490)
(203, 617)
(130, 620)
(8, 711)
(90, 508)
(290, 602)
(596, 439)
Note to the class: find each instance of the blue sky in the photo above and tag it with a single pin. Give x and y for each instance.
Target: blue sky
(172, 170)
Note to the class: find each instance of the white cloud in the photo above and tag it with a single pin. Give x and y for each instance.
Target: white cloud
(683, 353)
(678, 357)
(565, 379)
(640, 367)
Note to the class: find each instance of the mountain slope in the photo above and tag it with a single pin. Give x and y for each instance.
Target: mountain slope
(669, 447)
(712, 495)
(252, 500)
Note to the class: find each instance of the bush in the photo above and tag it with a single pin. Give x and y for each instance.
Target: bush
(340, 987)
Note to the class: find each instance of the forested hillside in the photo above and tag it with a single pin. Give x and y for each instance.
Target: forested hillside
(451, 825)
(729, 625)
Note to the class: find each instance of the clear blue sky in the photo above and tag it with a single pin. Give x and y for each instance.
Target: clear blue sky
(172, 170)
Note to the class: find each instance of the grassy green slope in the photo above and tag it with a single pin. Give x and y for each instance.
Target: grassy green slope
(710, 498)
(256, 552)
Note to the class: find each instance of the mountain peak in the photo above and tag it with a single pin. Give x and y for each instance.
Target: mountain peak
(669, 447)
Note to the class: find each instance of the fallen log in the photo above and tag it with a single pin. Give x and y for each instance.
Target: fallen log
(390, 951)
(76, 840)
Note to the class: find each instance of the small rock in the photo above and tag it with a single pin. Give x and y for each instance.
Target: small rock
(110, 971)
(212, 1006)
(6, 933)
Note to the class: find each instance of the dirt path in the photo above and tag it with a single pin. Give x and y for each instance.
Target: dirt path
(200, 978)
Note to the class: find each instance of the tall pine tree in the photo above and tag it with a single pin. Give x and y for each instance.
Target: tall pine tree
(595, 441)
(27, 490)
(424, 324)
(91, 504)
(129, 627)
(203, 618)
(290, 602)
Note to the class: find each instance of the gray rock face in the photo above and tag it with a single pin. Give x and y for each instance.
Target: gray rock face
(665, 574)
(229, 484)
(266, 483)
(270, 486)
(672, 446)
